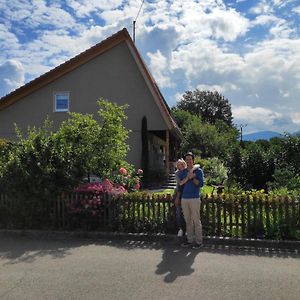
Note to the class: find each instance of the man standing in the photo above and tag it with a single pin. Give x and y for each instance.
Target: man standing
(192, 181)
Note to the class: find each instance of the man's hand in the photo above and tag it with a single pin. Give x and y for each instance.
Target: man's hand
(191, 175)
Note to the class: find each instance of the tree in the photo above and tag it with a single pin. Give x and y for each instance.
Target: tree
(289, 154)
(207, 140)
(183, 117)
(210, 106)
(47, 162)
(251, 166)
(111, 146)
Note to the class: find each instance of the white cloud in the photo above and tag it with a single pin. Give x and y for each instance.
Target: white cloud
(187, 44)
(262, 7)
(296, 9)
(85, 8)
(36, 13)
(226, 24)
(204, 62)
(255, 114)
(276, 27)
(260, 118)
(12, 76)
(281, 30)
(295, 117)
(159, 67)
(225, 87)
(265, 20)
(8, 39)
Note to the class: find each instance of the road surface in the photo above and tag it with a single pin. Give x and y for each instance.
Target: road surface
(34, 269)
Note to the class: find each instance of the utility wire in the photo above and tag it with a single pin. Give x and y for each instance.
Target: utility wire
(139, 11)
(133, 23)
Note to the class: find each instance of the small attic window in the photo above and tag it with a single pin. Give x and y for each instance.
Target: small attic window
(61, 102)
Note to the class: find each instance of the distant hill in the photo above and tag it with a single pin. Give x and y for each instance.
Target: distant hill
(297, 133)
(261, 135)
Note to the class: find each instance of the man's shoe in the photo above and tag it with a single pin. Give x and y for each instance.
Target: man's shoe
(186, 245)
(180, 233)
(197, 246)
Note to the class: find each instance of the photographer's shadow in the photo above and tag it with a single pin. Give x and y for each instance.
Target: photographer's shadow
(176, 262)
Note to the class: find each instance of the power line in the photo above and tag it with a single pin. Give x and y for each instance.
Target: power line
(136, 19)
(139, 10)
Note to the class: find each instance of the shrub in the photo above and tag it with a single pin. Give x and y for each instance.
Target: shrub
(215, 172)
(45, 163)
(127, 177)
(285, 178)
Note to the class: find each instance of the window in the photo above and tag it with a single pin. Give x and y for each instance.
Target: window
(61, 102)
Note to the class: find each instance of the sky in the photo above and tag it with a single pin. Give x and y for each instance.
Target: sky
(247, 50)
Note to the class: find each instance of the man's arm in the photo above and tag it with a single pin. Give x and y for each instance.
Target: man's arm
(184, 180)
(197, 176)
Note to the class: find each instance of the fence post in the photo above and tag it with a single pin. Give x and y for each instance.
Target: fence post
(287, 211)
(213, 217)
(219, 206)
(248, 215)
(280, 211)
(207, 211)
(230, 215)
(255, 215)
(224, 216)
(242, 199)
(267, 210)
(261, 221)
(236, 215)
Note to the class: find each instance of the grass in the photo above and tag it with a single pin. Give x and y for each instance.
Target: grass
(159, 191)
(205, 190)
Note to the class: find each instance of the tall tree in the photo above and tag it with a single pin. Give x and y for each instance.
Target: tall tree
(207, 140)
(210, 106)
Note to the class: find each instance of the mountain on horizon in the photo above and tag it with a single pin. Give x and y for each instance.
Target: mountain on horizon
(297, 133)
(261, 135)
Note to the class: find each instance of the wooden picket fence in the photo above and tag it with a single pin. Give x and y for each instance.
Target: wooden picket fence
(262, 217)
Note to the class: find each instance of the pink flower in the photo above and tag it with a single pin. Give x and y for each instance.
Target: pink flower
(90, 187)
(140, 171)
(118, 191)
(137, 186)
(123, 171)
(107, 185)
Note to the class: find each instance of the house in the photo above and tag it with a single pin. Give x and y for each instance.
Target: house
(112, 69)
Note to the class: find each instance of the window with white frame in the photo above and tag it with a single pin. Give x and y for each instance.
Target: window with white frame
(61, 102)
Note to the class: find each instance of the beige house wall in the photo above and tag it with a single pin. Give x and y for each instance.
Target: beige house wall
(113, 75)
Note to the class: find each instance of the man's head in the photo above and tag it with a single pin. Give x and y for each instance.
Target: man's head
(189, 159)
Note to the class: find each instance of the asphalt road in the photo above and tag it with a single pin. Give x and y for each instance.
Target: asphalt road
(101, 269)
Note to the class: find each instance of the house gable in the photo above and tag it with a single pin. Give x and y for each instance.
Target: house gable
(83, 58)
(114, 70)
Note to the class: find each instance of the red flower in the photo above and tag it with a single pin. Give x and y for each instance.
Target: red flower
(123, 171)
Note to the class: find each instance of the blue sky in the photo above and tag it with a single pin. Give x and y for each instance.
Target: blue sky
(247, 50)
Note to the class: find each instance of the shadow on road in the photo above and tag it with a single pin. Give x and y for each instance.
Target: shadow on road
(176, 261)
(24, 249)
